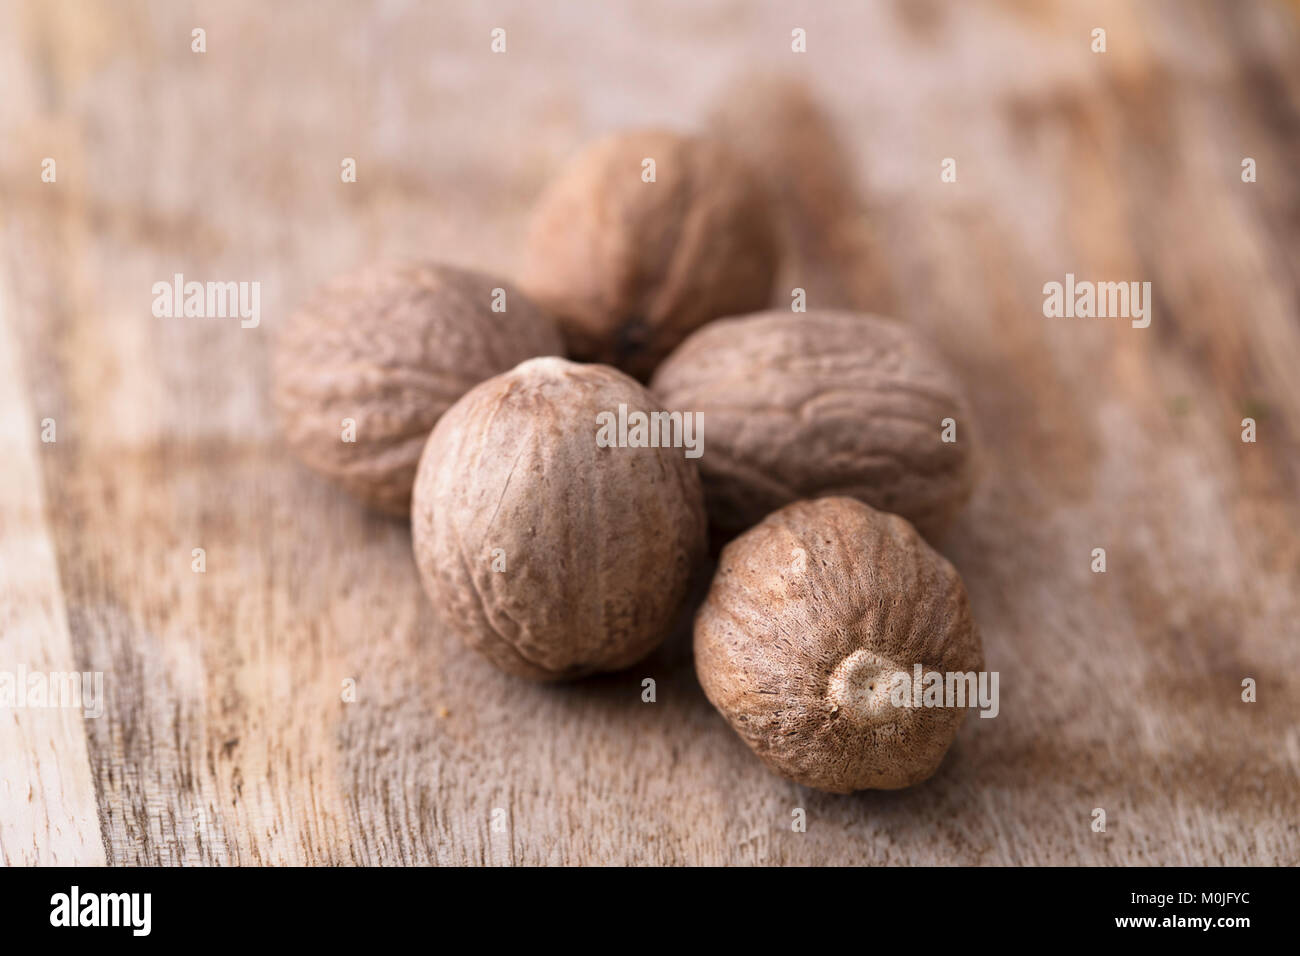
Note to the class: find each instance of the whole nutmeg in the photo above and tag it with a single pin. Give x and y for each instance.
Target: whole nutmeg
(364, 370)
(550, 551)
(631, 267)
(812, 619)
(822, 403)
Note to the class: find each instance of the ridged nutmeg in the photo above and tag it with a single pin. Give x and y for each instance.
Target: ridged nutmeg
(822, 403)
(812, 617)
(364, 370)
(551, 551)
(630, 267)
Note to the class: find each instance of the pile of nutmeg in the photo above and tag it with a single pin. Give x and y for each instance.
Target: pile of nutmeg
(558, 540)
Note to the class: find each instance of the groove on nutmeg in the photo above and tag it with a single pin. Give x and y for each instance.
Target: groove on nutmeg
(630, 262)
(811, 618)
(551, 553)
(822, 403)
(365, 368)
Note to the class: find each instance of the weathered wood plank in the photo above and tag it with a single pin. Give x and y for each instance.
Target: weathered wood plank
(47, 795)
(226, 739)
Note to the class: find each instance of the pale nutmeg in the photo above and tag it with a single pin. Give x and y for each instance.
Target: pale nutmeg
(810, 620)
(552, 555)
(391, 347)
(823, 403)
(630, 267)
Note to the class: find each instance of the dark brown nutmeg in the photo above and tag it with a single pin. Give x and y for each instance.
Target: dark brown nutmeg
(812, 617)
(630, 267)
(548, 551)
(390, 348)
(822, 403)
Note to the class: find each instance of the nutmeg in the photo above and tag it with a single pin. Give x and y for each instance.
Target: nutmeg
(813, 620)
(823, 403)
(364, 369)
(548, 551)
(631, 267)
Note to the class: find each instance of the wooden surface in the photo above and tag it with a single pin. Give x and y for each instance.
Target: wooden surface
(225, 739)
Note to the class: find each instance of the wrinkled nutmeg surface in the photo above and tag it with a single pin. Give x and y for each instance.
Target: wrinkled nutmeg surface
(391, 347)
(810, 616)
(630, 268)
(551, 555)
(822, 403)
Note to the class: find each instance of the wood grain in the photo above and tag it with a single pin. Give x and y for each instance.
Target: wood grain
(226, 739)
(46, 791)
